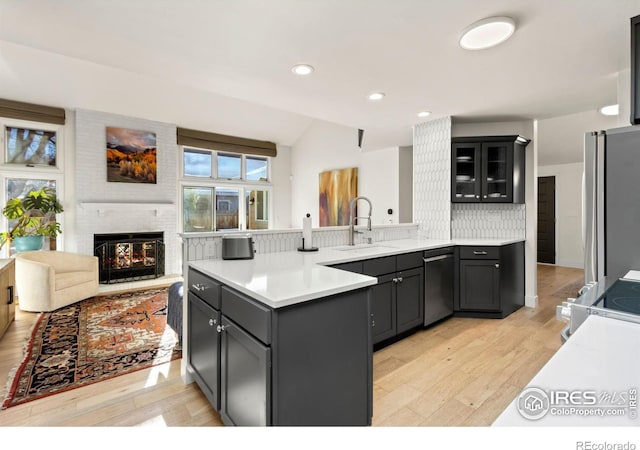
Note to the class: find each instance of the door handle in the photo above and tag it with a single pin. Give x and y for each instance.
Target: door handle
(199, 287)
(479, 253)
(212, 322)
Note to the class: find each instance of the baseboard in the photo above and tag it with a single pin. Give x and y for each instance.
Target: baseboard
(531, 301)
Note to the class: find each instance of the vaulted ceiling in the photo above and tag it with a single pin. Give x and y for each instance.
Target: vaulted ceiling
(564, 57)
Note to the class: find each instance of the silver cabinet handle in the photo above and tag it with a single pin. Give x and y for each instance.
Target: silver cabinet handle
(477, 196)
(220, 328)
(212, 322)
(373, 323)
(400, 280)
(479, 253)
(199, 287)
(485, 196)
(395, 280)
(497, 266)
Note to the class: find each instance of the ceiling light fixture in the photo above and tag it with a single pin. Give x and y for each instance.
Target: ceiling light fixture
(610, 110)
(424, 113)
(376, 96)
(302, 69)
(487, 32)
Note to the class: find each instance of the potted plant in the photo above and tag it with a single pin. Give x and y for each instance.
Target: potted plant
(36, 219)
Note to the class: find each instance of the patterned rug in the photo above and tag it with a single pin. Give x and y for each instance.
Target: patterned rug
(94, 340)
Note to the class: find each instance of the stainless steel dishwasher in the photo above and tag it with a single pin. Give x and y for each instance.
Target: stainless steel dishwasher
(438, 284)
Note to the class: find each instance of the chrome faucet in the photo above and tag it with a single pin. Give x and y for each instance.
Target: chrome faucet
(353, 219)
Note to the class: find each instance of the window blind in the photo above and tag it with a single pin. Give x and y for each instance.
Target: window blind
(30, 111)
(221, 142)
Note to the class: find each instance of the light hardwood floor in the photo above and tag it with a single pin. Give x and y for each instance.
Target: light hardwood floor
(461, 372)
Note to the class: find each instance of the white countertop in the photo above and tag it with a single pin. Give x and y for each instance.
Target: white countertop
(602, 356)
(286, 278)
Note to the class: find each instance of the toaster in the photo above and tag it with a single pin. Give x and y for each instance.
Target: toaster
(237, 246)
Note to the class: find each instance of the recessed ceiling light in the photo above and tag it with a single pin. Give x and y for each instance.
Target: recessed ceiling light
(610, 110)
(487, 32)
(424, 113)
(376, 96)
(302, 69)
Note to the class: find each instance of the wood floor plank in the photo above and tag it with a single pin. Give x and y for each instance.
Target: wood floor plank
(461, 372)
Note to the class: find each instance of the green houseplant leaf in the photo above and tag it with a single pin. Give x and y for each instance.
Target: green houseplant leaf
(35, 215)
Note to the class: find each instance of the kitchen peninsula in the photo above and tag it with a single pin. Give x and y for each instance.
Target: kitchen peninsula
(284, 339)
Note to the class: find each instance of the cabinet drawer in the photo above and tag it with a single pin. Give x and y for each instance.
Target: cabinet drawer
(248, 313)
(409, 261)
(379, 266)
(204, 287)
(479, 252)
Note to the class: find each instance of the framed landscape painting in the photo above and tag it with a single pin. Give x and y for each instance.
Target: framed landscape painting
(337, 188)
(131, 156)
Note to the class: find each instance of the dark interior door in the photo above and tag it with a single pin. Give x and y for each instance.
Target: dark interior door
(547, 220)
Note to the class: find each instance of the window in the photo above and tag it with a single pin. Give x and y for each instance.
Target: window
(31, 158)
(224, 191)
(197, 163)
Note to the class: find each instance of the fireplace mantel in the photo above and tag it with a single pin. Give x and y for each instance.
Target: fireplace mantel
(103, 207)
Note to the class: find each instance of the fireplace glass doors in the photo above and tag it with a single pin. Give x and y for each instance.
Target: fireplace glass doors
(129, 256)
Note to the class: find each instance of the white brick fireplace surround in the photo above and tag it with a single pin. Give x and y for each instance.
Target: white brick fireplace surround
(108, 207)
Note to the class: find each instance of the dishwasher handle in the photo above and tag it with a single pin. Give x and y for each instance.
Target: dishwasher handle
(437, 258)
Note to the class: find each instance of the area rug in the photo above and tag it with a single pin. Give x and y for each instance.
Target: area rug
(91, 341)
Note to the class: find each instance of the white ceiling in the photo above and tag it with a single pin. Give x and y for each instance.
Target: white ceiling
(563, 58)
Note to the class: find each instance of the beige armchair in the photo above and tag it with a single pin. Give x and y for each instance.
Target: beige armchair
(48, 280)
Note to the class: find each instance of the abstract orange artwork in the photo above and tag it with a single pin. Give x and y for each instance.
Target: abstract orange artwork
(337, 188)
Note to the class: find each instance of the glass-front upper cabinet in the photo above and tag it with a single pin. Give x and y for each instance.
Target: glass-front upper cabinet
(488, 169)
(466, 163)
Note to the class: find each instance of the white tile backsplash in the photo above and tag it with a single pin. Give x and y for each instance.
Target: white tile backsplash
(488, 221)
(431, 178)
(199, 247)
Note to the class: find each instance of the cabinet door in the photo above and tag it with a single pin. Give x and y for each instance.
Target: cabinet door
(409, 299)
(479, 285)
(465, 173)
(204, 347)
(497, 172)
(383, 308)
(246, 378)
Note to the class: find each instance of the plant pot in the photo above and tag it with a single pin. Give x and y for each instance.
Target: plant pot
(28, 243)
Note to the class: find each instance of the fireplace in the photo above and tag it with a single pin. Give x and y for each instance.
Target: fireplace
(129, 256)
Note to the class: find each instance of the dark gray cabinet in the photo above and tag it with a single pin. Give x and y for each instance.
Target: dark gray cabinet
(397, 301)
(203, 317)
(489, 280)
(308, 364)
(488, 169)
(245, 377)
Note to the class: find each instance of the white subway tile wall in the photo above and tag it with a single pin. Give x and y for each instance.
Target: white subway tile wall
(432, 179)
(210, 247)
(488, 221)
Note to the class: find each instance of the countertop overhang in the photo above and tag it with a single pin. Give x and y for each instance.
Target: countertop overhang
(286, 278)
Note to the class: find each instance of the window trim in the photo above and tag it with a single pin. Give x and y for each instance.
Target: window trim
(41, 169)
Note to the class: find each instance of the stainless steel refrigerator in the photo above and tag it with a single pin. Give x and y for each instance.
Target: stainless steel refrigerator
(611, 202)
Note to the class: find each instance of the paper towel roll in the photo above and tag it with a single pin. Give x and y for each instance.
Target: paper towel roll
(306, 232)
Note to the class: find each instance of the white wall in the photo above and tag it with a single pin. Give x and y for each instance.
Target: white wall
(569, 246)
(327, 146)
(561, 139)
(281, 179)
